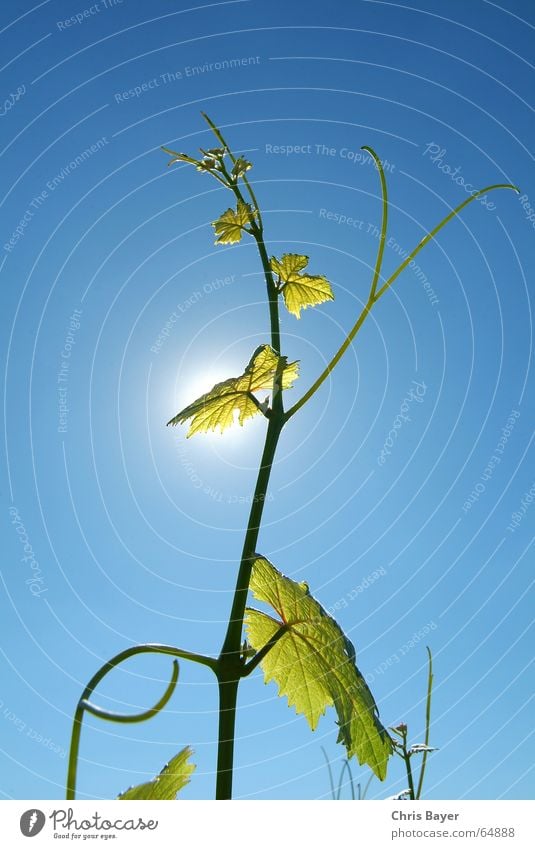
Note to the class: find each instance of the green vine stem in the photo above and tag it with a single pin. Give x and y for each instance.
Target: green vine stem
(230, 663)
(85, 705)
(427, 722)
(408, 766)
(384, 221)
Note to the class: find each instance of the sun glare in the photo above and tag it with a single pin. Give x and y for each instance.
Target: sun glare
(195, 385)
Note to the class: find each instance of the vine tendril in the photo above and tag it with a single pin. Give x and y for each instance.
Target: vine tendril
(84, 703)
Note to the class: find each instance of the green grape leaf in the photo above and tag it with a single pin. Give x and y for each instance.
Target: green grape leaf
(173, 777)
(300, 290)
(289, 265)
(230, 224)
(313, 664)
(216, 408)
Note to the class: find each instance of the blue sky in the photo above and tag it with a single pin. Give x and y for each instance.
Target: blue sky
(134, 531)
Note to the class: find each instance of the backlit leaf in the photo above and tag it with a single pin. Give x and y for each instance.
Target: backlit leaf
(289, 266)
(230, 224)
(300, 290)
(240, 167)
(173, 777)
(216, 408)
(214, 152)
(313, 664)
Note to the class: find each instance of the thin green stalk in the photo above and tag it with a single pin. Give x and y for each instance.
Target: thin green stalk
(407, 759)
(331, 777)
(372, 301)
(438, 228)
(273, 297)
(256, 402)
(384, 222)
(257, 232)
(427, 722)
(84, 703)
(255, 203)
(260, 655)
(346, 766)
(113, 716)
(219, 135)
(366, 786)
(72, 770)
(337, 357)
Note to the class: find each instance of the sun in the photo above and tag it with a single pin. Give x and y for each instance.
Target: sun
(195, 385)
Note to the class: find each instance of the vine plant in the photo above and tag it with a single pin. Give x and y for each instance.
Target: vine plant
(300, 647)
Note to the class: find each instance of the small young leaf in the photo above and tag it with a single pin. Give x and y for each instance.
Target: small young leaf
(230, 224)
(313, 664)
(289, 266)
(179, 157)
(173, 777)
(240, 167)
(207, 164)
(300, 290)
(216, 408)
(215, 152)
